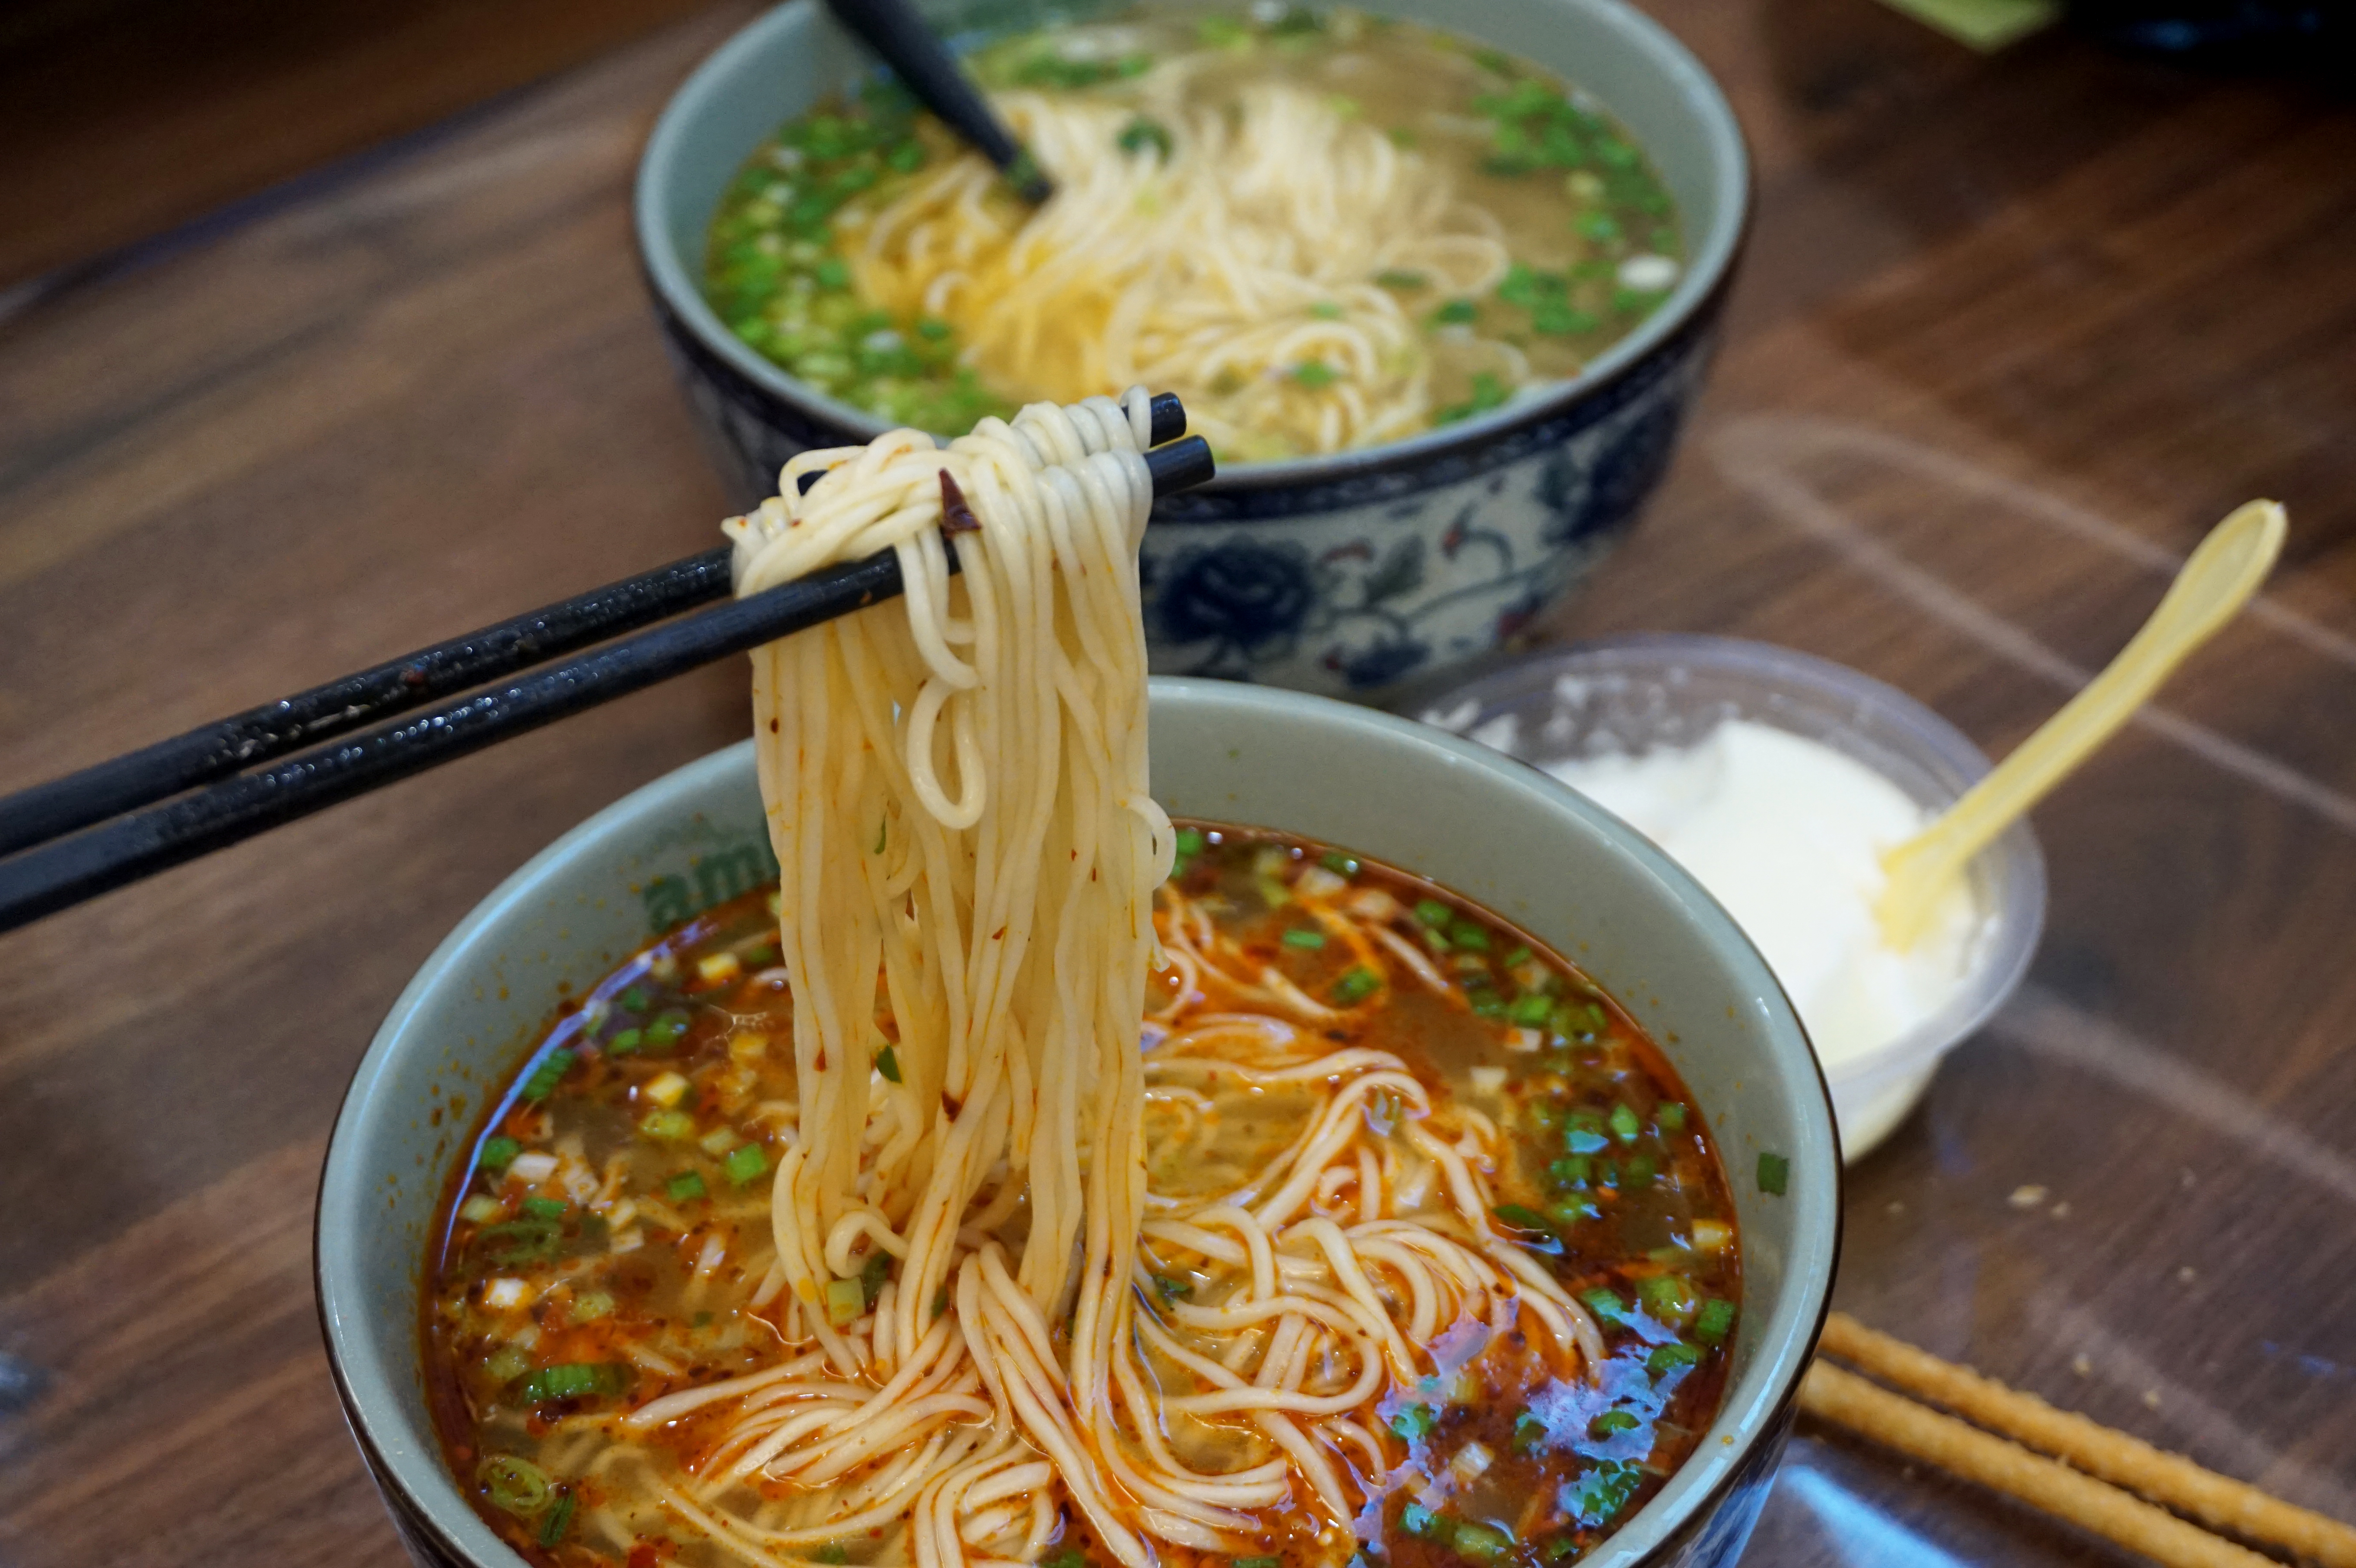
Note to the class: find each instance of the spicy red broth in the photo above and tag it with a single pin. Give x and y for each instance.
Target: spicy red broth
(605, 1242)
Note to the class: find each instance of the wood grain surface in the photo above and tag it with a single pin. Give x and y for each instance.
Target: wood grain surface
(2013, 331)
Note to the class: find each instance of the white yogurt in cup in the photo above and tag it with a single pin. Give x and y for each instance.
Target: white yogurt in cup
(1778, 780)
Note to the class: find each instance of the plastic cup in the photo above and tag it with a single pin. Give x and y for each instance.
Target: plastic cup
(1630, 695)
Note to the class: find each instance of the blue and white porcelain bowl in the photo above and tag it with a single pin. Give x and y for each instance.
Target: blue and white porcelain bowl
(1349, 574)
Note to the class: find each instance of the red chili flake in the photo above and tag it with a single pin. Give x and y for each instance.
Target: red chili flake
(957, 516)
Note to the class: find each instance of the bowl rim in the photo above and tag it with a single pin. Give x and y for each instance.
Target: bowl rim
(410, 1477)
(2016, 856)
(1692, 305)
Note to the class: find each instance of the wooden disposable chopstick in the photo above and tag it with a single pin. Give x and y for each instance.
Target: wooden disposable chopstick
(262, 734)
(2092, 1489)
(67, 870)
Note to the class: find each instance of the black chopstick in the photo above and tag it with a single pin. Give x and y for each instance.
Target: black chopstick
(276, 730)
(57, 875)
(918, 57)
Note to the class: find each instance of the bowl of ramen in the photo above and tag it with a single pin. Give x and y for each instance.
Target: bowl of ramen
(1484, 1194)
(1437, 284)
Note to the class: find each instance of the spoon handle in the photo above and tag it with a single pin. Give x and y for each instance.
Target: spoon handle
(916, 55)
(2216, 580)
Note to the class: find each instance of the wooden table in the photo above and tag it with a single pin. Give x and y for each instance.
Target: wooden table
(2012, 332)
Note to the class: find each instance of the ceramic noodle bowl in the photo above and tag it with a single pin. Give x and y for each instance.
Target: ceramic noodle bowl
(1510, 841)
(1358, 573)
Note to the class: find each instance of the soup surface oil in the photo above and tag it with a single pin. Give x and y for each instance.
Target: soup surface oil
(603, 1239)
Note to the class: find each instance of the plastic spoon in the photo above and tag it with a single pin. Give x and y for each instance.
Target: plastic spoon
(2214, 583)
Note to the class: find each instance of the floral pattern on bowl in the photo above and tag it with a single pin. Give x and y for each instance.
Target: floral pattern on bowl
(1353, 600)
(1347, 586)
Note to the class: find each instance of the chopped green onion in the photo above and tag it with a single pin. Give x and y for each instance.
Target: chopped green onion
(1396, 278)
(1415, 1421)
(1520, 1218)
(1600, 226)
(672, 1127)
(506, 1364)
(1340, 865)
(517, 1486)
(832, 1552)
(745, 1164)
(1555, 318)
(1468, 936)
(1529, 1432)
(1416, 1518)
(520, 1242)
(1432, 911)
(553, 1528)
(1774, 1174)
(1713, 1320)
(1531, 1010)
(686, 1187)
(591, 1305)
(1259, 1562)
(1518, 957)
(1575, 1171)
(1311, 940)
(1314, 373)
(1640, 1170)
(547, 1074)
(832, 273)
(634, 998)
(1190, 841)
(1481, 1542)
(1677, 1353)
(666, 1030)
(1671, 1116)
(625, 1043)
(1607, 1306)
(1488, 392)
(1323, 310)
(1172, 1289)
(1357, 984)
(544, 1208)
(844, 1302)
(1456, 313)
(1141, 134)
(1067, 1557)
(888, 1062)
(1487, 1004)
(497, 1154)
(874, 1274)
(573, 1379)
(1612, 1421)
(1668, 1298)
(1624, 1125)
(1574, 1211)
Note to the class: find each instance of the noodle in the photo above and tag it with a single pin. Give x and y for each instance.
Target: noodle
(957, 797)
(1019, 1188)
(1196, 272)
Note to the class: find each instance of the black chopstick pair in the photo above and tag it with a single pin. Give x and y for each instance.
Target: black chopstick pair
(53, 871)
